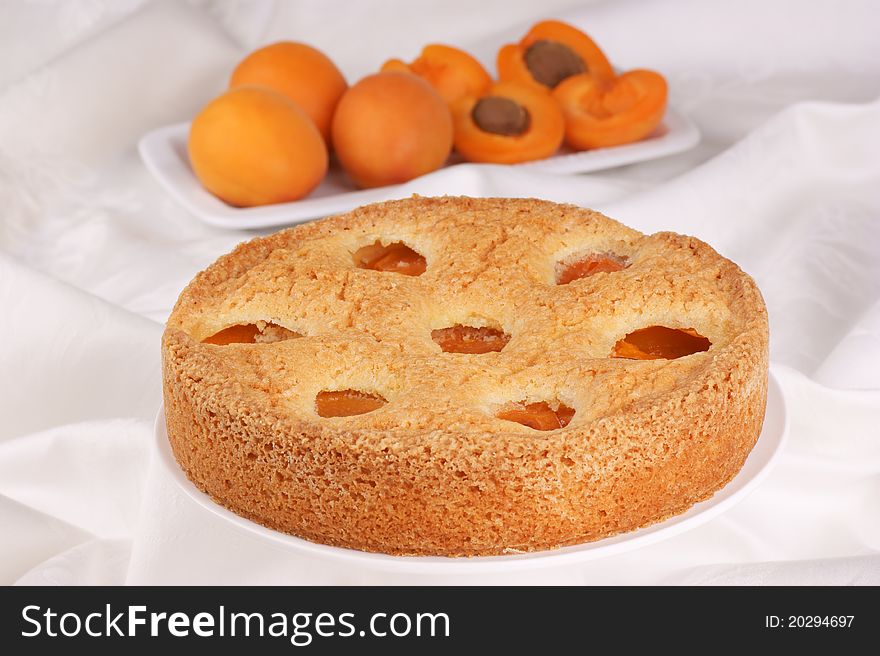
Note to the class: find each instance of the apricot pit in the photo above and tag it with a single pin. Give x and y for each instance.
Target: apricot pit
(550, 62)
(501, 116)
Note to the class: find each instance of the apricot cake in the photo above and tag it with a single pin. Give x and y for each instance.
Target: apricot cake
(461, 376)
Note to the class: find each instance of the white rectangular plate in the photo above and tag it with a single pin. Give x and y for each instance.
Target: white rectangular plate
(164, 153)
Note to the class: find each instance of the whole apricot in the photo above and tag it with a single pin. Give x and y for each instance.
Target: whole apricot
(391, 127)
(252, 146)
(301, 73)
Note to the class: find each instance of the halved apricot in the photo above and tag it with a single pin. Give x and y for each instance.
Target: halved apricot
(599, 114)
(390, 128)
(509, 123)
(299, 72)
(452, 72)
(346, 403)
(551, 52)
(251, 333)
(396, 257)
(252, 146)
(587, 265)
(540, 416)
(470, 339)
(660, 343)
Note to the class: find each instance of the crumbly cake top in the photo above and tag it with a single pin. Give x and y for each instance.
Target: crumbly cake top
(489, 263)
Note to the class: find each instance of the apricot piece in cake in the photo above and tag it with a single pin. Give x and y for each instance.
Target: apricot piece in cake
(396, 257)
(540, 416)
(587, 265)
(660, 343)
(470, 339)
(262, 332)
(346, 403)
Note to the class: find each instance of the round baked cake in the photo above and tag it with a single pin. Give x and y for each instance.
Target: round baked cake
(458, 376)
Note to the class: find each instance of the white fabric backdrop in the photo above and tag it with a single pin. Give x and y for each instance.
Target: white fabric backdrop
(92, 256)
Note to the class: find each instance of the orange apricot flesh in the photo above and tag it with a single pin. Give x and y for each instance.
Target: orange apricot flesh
(606, 114)
(660, 343)
(251, 333)
(396, 258)
(587, 266)
(550, 53)
(540, 416)
(346, 403)
(508, 124)
(470, 339)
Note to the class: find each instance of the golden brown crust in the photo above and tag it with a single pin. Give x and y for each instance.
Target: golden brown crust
(434, 471)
